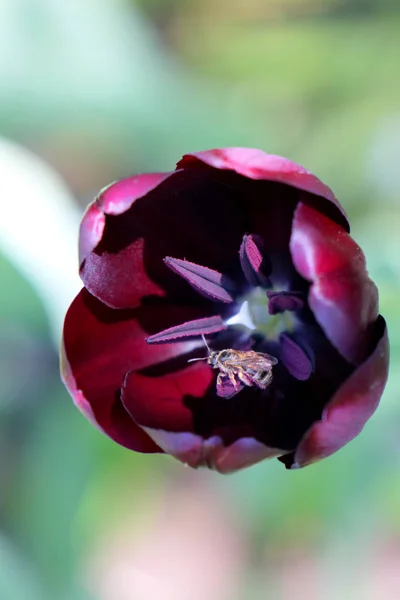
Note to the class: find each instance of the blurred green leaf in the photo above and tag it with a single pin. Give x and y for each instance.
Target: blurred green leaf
(18, 580)
(56, 461)
(19, 303)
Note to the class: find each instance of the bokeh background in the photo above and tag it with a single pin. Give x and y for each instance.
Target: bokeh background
(94, 90)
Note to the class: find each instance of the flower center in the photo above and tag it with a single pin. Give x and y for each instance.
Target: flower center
(257, 313)
(265, 315)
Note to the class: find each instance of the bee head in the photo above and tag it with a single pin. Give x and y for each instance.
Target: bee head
(213, 359)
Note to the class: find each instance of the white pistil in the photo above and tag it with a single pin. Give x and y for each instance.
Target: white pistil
(254, 315)
(243, 317)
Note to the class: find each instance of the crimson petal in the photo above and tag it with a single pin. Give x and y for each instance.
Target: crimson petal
(158, 402)
(350, 408)
(342, 297)
(101, 345)
(258, 165)
(127, 232)
(114, 199)
(114, 422)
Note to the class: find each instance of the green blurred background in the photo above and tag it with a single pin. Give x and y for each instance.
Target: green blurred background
(100, 89)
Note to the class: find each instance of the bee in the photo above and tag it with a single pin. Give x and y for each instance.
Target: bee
(239, 368)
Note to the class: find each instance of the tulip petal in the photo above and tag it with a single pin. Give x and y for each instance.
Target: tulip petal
(162, 402)
(100, 346)
(114, 199)
(195, 451)
(342, 297)
(350, 408)
(256, 164)
(242, 454)
(108, 278)
(122, 261)
(91, 230)
(118, 426)
(77, 395)
(189, 448)
(119, 196)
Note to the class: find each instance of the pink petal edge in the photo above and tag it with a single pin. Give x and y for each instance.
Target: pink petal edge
(114, 199)
(194, 451)
(257, 164)
(91, 230)
(141, 441)
(77, 395)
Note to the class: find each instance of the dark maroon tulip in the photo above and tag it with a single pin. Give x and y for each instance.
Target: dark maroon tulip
(252, 252)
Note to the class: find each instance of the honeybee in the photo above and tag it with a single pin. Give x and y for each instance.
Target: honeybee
(239, 368)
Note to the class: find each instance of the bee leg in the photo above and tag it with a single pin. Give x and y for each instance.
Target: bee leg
(219, 380)
(265, 380)
(233, 389)
(234, 381)
(258, 379)
(245, 379)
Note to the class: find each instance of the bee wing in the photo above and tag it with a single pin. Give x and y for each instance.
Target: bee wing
(258, 360)
(271, 359)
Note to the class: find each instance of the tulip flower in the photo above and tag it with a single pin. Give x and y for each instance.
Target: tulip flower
(227, 315)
